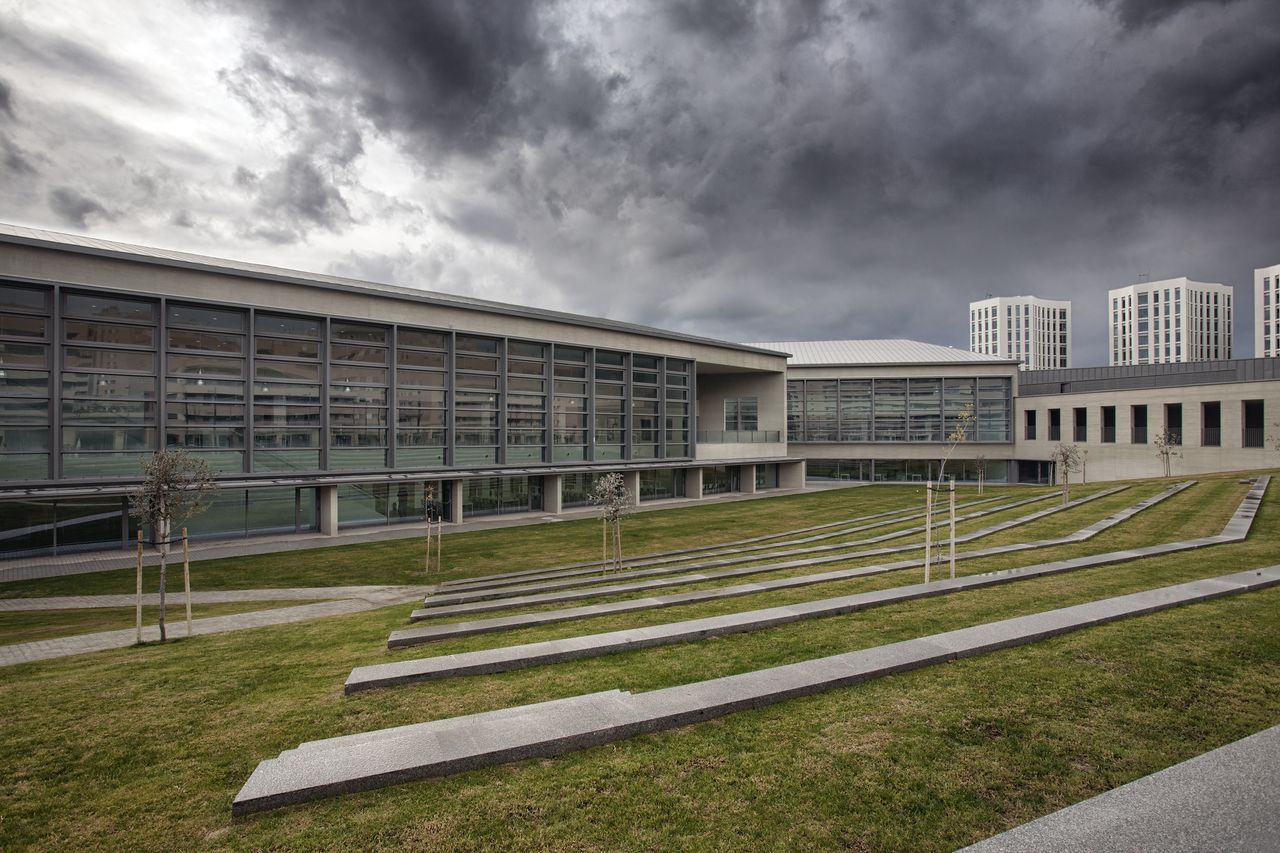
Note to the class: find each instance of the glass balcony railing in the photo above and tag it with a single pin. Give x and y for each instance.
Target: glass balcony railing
(739, 436)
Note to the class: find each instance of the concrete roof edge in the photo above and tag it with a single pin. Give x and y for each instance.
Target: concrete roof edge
(224, 266)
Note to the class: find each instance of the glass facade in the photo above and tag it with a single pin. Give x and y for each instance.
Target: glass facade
(898, 410)
(92, 381)
(903, 470)
(663, 484)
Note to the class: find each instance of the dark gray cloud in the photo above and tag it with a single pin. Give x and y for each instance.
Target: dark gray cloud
(6, 99)
(77, 209)
(756, 169)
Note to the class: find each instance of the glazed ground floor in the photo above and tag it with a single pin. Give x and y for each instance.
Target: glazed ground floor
(81, 520)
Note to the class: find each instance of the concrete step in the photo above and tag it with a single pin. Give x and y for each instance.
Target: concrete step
(428, 633)
(441, 598)
(468, 743)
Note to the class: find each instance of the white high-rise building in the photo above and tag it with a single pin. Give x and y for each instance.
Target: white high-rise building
(1175, 320)
(1266, 312)
(1035, 331)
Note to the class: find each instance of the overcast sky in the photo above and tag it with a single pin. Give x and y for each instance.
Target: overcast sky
(786, 171)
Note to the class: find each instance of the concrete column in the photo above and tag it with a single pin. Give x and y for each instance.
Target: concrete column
(791, 475)
(693, 484)
(328, 496)
(631, 479)
(456, 510)
(552, 493)
(747, 479)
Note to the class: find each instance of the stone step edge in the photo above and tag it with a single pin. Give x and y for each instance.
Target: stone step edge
(685, 706)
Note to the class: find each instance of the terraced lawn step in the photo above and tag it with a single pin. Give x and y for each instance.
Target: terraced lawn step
(479, 602)
(428, 633)
(596, 564)
(445, 747)
(505, 658)
(736, 549)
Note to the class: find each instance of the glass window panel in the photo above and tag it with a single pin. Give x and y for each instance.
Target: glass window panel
(358, 333)
(569, 420)
(615, 359)
(268, 459)
(204, 365)
(284, 392)
(677, 379)
(286, 370)
(205, 317)
(24, 383)
(287, 347)
(416, 397)
(890, 409)
(644, 391)
(570, 371)
(204, 414)
(674, 366)
(108, 307)
(480, 382)
(610, 375)
(470, 343)
(277, 438)
(21, 466)
(476, 438)
(107, 438)
(205, 439)
(107, 411)
(358, 353)
(476, 400)
(525, 420)
(521, 384)
(528, 368)
(526, 349)
(285, 416)
(565, 387)
(472, 420)
(609, 389)
(645, 362)
(421, 418)
(206, 341)
(24, 411)
(356, 437)
(570, 354)
(204, 389)
(15, 296)
(14, 354)
(298, 327)
(416, 358)
(108, 359)
(106, 385)
(357, 395)
(526, 402)
(357, 416)
(23, 439)
(425, 378)
(420, 437)
(474, 362)
(23, 326)
(924, 411)
(348, 373)
(422, 338)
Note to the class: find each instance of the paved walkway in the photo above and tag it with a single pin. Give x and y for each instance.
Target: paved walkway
(84, 562)
(103, 640)
(226, 596)
(1220, 802)
(448, 746)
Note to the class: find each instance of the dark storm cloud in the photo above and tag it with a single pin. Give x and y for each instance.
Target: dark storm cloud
(6, 99)
(1136, 14)
(77, 209)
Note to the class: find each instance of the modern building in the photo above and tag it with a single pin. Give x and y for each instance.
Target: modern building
(1266, 312)
(1033, 331)
(1169, 322)
(1219, 415)
(323, 402)
(881, 410)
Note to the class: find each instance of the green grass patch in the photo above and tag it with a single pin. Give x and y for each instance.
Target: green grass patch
(30, 625)
(143, 748)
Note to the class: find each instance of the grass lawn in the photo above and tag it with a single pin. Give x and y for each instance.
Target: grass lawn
(28, 626)
(483, 552)
(144, 748)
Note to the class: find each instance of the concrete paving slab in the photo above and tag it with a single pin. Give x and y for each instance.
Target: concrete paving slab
(1223, 801)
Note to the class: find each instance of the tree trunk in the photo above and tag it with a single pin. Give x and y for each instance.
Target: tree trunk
(164, 566)
(617, 545)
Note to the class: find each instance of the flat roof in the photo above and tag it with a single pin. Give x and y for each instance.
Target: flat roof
(852, 353)
(58, 241)
(1079, 380)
